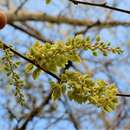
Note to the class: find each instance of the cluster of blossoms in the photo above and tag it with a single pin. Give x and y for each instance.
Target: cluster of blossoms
(82, 88)
(78, 87)
(9, 66)
(51, 56)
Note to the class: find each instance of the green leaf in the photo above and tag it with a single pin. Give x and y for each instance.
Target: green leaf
(56, 90)
(28, 67)
(1, 45)
(107, 108)
(75, 58)
(48, 1)
(17, 64)
(94, 53)
(109, 43)
(87, 39)
(36, 73)
(105, 54)
(98, 38)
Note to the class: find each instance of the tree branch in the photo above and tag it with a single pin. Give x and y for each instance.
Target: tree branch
(103, 5)
(71, 115)
(31, 33)
(20, 6)
(35, 112)
(43, 17)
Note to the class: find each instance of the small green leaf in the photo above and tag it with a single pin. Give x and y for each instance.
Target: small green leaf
(28, 67)
(107, 108)
(94, 53)
(48, 1)
(98, 38)
(87, 39)
(56, 90)
(56, 93)
(17, 64)
(109, 43)
(75, 58)
(1, 45)
(105, 54)
(36, 73)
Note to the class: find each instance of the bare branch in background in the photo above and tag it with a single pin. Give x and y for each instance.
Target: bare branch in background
(31, 32)
(35, 112)
(43, 17)
(20, 6)
(103, 5)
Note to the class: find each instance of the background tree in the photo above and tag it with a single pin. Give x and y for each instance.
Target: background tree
(48, 21)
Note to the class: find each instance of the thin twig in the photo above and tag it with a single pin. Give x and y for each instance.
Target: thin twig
(72, 117)
(20, 6)
(35, 112)
(44, 17)
(123, 95)
(103, 5)
(31, 33)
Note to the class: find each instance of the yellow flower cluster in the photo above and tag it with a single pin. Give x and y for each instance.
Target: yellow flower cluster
(51, 56)
(83, 89)
(80, 88)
